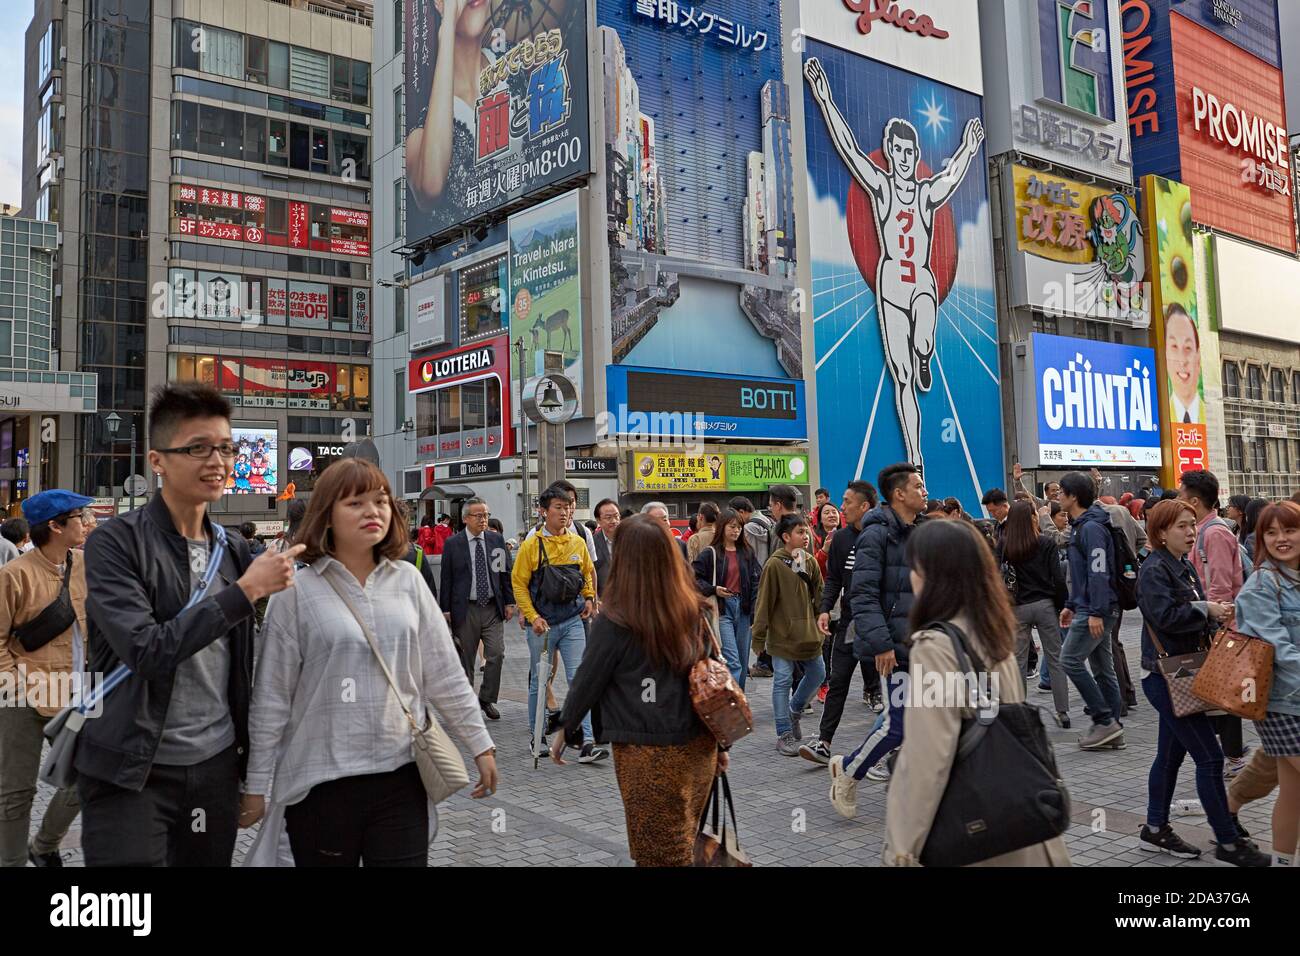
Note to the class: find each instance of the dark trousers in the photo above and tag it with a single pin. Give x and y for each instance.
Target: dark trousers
(841, 670)
(184, 816)
(1178, 737)
(1127, 692)
(380, 819)
(483, 625)
(1228, 727)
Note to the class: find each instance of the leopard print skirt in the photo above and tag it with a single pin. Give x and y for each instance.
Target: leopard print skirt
(664, 791)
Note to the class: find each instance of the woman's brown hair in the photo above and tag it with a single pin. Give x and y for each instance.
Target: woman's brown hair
(651, 592)
(1284, 513)
(344, 479)
(1162, 517)
(961, 578)
(1020, 537)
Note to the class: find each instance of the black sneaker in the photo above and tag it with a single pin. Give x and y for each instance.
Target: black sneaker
(758, 670)
(544, 752)
(1165, 840)
(590, 753)
(1242, 854)
(44, 859)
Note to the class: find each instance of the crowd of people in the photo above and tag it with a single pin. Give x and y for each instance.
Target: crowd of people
(292, 686)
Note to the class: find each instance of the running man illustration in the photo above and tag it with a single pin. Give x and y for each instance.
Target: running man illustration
(907, 297)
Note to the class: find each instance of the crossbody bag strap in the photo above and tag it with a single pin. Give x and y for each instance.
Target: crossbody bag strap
(374, 646)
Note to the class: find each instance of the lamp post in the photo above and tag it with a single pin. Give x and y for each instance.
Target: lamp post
(113, 421)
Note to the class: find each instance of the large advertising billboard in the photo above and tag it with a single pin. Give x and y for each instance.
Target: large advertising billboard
(659, 403)
(462, 402)
(496, 106)
(545, 289)
(1080, 249)
(1176, 327)
(254, 472)
(1093, 404)
(700, 187)
(905, 323)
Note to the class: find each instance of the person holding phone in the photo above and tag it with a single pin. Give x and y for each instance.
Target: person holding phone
(728, 571)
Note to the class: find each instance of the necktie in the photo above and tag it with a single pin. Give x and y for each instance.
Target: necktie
(1187, 418)
(482, 594)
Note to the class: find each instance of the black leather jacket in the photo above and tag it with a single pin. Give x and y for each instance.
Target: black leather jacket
(137, 581)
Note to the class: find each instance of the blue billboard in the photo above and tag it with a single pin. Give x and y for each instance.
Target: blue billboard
(1096, 403)
(904, 319)
(659, 403)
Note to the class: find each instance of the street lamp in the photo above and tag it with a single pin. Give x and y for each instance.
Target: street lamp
(113, 421)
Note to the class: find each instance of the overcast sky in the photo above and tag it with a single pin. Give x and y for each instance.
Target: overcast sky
(14, 17)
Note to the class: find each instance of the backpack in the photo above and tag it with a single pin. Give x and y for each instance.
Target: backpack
(1247, 563)
(556, 585)
(1123, 570)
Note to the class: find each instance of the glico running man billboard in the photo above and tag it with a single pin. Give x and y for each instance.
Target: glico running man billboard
(904, 318)
(496, 106)
(700, 187)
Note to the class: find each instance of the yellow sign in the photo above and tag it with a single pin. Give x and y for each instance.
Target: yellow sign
(673, 471)
(1067, 221)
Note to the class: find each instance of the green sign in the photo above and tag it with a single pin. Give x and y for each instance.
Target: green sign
(758, 472)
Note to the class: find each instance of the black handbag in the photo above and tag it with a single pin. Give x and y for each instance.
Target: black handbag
(1004, 792)
(54, 620)
(556, 585)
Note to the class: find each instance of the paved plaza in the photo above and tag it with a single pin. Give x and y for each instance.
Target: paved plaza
(573, 816)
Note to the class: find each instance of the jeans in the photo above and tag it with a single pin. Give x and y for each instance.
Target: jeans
(158, 826)
(782, 677)
(379, 819)
(1178, 737)
(887, 735)
(570, 640)
(1042, 615)
(843, 664)
(21, 740)
(735, 635)
(1100, 689)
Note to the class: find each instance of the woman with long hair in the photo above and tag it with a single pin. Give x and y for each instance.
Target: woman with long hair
(1035, 580)
(1268, 607)
(826, 523)
(1236, 513)
(331, 746)
(1177, 619)
(1246, 534)
(954, 580)
(728, 570)
(634, 680)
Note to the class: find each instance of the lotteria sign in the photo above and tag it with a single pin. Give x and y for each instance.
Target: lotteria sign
(457, 366)
(1097, 403)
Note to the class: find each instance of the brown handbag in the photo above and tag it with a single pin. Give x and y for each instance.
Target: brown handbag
(716, 845)
(1179, 673)
(717, 698)
(1237, 675)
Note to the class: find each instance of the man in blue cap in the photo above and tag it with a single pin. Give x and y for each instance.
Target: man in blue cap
(42, 594)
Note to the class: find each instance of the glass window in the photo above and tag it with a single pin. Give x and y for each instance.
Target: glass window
(185, 45)
(1276, 386)
(1295, 388)
(399, 396)
(361, 387)
(1236, 457)
(320, 150)
(1231, 380)
(309, 72)
(277, 221)
(1259, 455)
(399, 111)
(341, 79)
(279, 65)
(360, 82)
(399, 26)
(399, 307)
(351, 156)
(277, 144)
(482, 299)
(340, 302)
(1254, 383)
(222, 52)
(255, 60)
(300, 146)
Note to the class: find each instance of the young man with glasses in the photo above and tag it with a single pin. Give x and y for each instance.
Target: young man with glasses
(42, 593)
(160, 768)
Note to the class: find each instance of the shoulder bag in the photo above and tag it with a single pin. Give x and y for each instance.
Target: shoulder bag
(1179, 673)
(716, 846)
(717, 698)
(54, 619)
(1237, 675)
(1004, 792)
(442, 769)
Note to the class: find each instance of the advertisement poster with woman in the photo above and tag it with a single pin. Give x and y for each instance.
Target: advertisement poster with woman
(496, 105)
(255, 461)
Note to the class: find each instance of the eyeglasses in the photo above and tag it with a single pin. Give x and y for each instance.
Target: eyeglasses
(203, 451)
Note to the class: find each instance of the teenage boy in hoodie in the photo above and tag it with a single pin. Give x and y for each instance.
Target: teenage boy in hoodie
(763, 537)
(1090, 613)
(785, 624)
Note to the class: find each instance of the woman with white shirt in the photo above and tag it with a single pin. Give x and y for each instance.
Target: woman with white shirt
(330, 742)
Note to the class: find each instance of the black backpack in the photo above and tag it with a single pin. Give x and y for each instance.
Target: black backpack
(1124, 570)
(557, 585)
(1004, 792)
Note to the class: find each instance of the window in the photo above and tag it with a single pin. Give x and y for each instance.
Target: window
(399, 396)
(360, 82)
(255, 138)
(255, 60)
(185, 53)
(221, 52)
(1276, 388)
(1254, 383)
(1278, 461)
(277, 222)
(351, 157)
(399, 209)
(399, 305)
(221, 132)
(1259, 455)
(1295, 388)
(277, 143)
(48, 52)
(399, 112)
(1236, 456)
(279, 65)
(309, 72)
(399, 26)
(320, 150)
(7, 336)
(299, 146)
(341, 79)
(1231, 380)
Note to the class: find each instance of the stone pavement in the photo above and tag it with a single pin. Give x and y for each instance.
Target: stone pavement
(573, 815)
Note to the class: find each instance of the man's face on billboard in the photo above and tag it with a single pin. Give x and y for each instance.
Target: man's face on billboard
(1183, 356)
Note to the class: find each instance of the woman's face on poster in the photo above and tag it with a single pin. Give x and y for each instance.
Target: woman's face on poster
(471, 15)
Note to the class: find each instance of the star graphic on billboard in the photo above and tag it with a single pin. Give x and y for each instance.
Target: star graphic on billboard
(935, 120)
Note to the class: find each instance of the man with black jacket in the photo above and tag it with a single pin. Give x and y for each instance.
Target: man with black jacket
(880, 598)
(160, 768)
(859, 499)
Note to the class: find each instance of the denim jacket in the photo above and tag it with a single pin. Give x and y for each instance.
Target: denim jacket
(1268, 607)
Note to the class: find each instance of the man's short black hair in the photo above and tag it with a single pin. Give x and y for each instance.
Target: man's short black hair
(785, 494)
(601, 503)
(821, 491)
(553, 493)
(866, 491)
(175, 402)
(709, 512)
(894, 477)
(1079, 487)
(994, 496)
(565, 486)
(42, 532)
(15, 529)
(248, 530)
(789, 522)
(1202, 485)
(740, 503)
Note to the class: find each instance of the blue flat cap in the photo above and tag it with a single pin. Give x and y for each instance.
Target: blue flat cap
(51, 504)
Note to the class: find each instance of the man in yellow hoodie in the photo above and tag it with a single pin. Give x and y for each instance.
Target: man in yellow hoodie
(36, 664)
(555, 587)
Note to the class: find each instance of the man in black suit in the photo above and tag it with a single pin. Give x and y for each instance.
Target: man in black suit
(477, 598)
(659, 511)
(608, 517)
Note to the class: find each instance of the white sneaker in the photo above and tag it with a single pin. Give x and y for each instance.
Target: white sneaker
(880, 772)
(844, 789)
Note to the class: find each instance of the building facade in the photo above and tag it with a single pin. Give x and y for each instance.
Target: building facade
(209, 167)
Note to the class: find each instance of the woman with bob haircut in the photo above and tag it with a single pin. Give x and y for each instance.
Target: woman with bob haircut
(330, 742)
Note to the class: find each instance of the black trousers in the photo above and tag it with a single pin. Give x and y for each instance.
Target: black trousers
(841, 676)
(1228, 727)
(380, 819)
(184, 816)
(1127, 692)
